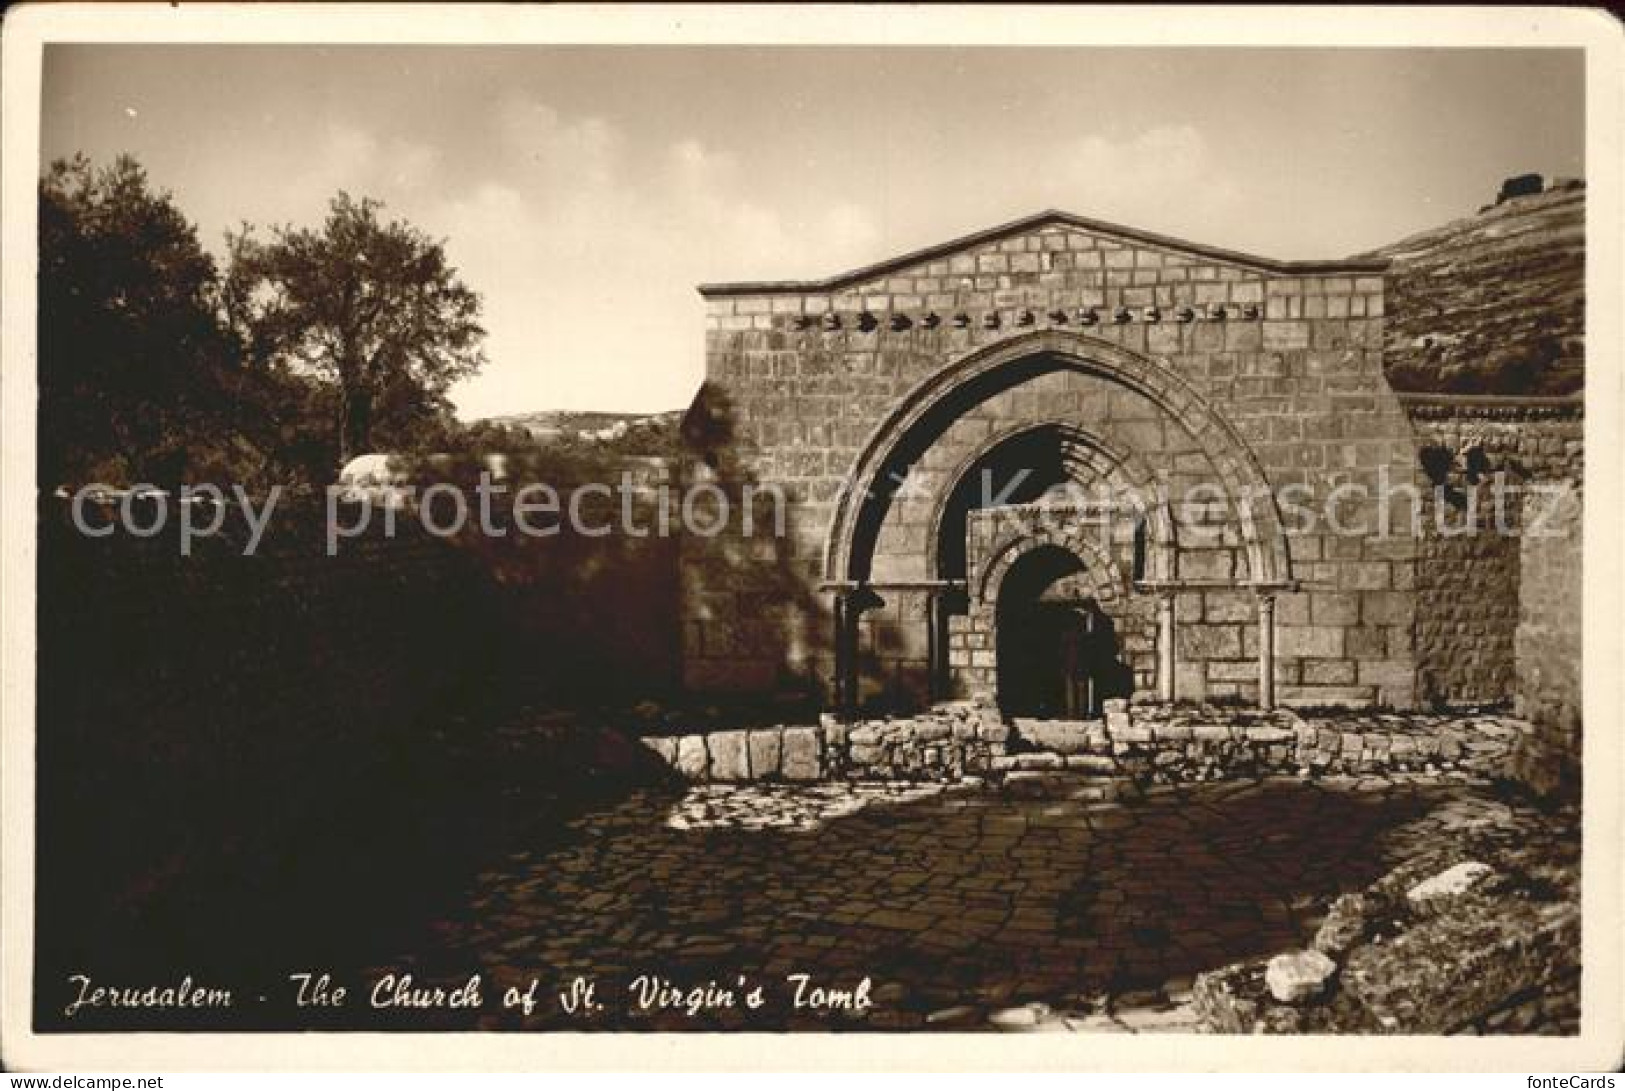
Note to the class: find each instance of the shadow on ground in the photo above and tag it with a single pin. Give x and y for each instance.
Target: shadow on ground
(956, 899)
(333, 884)
(949, 901)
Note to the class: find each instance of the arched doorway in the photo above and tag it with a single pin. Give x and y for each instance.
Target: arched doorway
(882, 466)
(1058, 653)
(1113, 411)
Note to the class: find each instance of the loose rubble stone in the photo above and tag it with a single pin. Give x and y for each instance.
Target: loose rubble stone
(1344, 926)
(1025, 1018)
(1178, 989)
(957, 1016)
(1504, 955)
(1298, 976)
(1448, 884)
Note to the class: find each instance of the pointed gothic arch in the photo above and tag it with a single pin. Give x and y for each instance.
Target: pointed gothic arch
(924, 413)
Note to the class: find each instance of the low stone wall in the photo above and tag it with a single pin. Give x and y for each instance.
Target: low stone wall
(1169, 744)
(771, 753)
(1145, 743)
(588, 613)
(951, 742)
(946, 743)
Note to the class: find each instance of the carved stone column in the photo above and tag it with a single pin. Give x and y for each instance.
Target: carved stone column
(844, 659)
(1165, 646)
(934, 645)
(1266, 649)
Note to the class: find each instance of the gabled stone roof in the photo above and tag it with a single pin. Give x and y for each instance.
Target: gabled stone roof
(1050, 218)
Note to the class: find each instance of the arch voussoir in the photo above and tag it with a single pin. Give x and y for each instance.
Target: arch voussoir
(1268, 559)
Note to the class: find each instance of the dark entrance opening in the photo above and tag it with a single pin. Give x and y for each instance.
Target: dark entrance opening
(1058, 652)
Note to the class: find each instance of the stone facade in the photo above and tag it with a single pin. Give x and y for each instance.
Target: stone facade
(1111, 363)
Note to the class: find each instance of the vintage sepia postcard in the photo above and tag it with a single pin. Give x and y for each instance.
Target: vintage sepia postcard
(566, 537)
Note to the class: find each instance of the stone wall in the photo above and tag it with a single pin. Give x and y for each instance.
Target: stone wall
(1170, 362)
(950, 742)
(591, 615)
(1142, 744)
(206, 697)
(1531, 439)
(1467, 606)
(1549, 652)
(1468, 571)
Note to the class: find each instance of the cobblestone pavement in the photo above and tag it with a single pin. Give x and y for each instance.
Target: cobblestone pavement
(965, 908)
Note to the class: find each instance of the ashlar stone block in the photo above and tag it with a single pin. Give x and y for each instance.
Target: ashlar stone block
(730, 756)
(803, 754)
(765, 749)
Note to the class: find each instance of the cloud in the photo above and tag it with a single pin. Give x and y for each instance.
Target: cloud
(1172, 151)
(339, 157)
(1166, 177)
(585, 245)
(554, 151)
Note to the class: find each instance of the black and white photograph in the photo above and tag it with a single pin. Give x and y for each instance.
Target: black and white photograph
(869, 529)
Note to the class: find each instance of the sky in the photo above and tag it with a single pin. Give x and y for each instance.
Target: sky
(586, 191)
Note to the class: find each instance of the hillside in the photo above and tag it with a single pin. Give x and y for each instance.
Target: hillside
(1493, 303)
(586, 424)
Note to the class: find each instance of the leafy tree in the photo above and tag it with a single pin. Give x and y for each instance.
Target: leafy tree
(141, 376)
(133, 364)
(372, 307)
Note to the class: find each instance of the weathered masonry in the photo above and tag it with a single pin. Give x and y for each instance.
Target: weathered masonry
(1054, 463)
